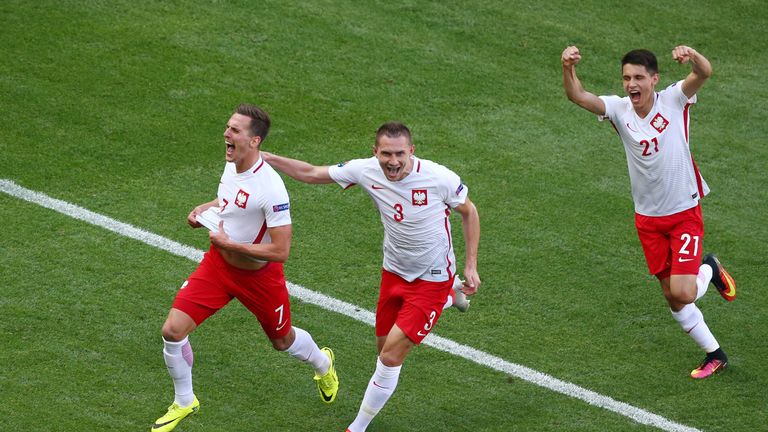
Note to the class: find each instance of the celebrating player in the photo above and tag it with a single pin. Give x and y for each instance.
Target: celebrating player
(666, 184)
(415, 198)
(250, 237)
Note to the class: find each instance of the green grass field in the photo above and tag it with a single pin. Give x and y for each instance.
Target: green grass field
(119, 107)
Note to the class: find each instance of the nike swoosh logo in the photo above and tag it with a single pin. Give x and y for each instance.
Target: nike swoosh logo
(420, 333)
(681, 259)
(159, 425)
(373, 186)
(326, 397)
(379, 386)
(281, 326)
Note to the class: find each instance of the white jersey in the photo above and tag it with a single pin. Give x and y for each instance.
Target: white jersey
(662, 173)
(415, 213)
(252, 201)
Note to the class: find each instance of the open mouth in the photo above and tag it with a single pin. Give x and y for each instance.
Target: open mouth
(634, 96)
(392, 172)
(230, 148)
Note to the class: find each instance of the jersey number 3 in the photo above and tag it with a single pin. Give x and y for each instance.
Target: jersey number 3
(398, 213)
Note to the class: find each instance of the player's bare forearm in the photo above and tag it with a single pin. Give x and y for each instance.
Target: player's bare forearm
(298, 169)
(277, 250)
(470, 220)
(573, 88)
(192, 217)
(701, 68)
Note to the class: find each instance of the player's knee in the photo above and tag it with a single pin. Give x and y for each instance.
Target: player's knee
(391, 358)
(684, 296)
(173, 333)
(283, 343)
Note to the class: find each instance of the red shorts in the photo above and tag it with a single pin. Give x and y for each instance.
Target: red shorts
(214, 283)
(414, 306)
(672, 244)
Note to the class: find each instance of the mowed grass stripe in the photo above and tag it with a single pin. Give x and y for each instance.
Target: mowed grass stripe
(334, 305)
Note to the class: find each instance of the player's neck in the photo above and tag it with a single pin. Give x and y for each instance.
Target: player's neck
(246, 163)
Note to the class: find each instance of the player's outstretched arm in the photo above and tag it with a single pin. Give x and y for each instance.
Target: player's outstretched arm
(573, 88)
(470, 221)
(299, 170)
(701, 69)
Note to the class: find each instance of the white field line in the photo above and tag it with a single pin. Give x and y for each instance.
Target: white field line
(329, 303)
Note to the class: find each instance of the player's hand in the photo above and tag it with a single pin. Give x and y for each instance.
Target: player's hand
(683, 54)
(220, 238)
(571, 56)
(471, 282)
(192, 218)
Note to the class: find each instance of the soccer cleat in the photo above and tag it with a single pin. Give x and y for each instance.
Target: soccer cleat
(711, 365)
(174, 415)
(328, 384)
(720, 278)
(460, 300)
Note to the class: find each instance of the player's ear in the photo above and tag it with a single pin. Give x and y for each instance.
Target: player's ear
(256, 141)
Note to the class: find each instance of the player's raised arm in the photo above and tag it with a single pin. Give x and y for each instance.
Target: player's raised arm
(701, 69)
(297, 169)
(573, 88)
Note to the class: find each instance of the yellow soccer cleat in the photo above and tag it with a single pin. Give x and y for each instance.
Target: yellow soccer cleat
(328, 384)
(174, 415)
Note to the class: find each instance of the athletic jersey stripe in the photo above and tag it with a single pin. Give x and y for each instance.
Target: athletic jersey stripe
(260, 165)
(450, 247)
(262, 231)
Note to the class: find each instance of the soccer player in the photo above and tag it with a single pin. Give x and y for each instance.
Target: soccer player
(666, 184)
(250, 239)
(415, 198)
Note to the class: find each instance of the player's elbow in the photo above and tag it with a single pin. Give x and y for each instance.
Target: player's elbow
(281, 254)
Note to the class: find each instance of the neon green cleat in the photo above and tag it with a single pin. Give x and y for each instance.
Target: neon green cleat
(328, 384)
(174, 415)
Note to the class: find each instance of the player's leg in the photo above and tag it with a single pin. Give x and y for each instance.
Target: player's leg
(394, 349)
(265, 294)
(687, 283)
(199, 298)
(300, 345)
(420, 307)
(178, 355)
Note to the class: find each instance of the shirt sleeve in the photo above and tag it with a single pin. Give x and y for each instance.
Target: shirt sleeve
(673, 95)
(453, 191)
(612, 105)
(348, 173)
(277, 207)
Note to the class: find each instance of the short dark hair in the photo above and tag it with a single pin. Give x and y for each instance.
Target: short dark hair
(641, 57)
(259, 119)
(394, 130)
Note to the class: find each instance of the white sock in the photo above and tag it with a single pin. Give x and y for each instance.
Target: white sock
(691, 320)
(179, 358)
(380, 388)
(449, 301)
(702, 280)
(305, 349)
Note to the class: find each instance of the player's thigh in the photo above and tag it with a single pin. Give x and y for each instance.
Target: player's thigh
(655, 242)
(389, 304)
(686, 243)
(265, 294)
(202, 294)
(422, 307)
